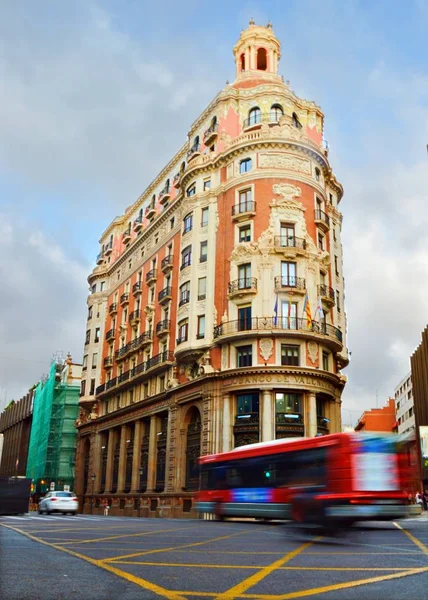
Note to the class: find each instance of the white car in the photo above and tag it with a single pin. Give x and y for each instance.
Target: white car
(64, 502)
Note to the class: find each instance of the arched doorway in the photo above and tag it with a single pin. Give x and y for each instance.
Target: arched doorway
(261, 59)
(193, 448)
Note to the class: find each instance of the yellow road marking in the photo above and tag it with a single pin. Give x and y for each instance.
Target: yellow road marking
(210, 566)
(251, 581)
(417, 542)
(168, 594)
(75, 529)
(156, 550)
(115, 537)
(333, 587)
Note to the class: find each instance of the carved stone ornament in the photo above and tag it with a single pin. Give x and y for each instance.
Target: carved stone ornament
(313, 352)
(224, 357)
(284, 161)
(244, 250)
(287, 191)
(266, 348)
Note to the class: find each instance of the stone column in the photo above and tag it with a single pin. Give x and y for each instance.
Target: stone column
(122, 458)
(96, 461)
(151, 475)
(136, 456)
(253, 58)
(110, 453)
(311, 415)
(268, 417)
(247, 59)
(227, 429)
(171, 449)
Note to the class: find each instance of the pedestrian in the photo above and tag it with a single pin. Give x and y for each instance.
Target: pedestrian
(106, 507)
(418, 498)
(425, 499)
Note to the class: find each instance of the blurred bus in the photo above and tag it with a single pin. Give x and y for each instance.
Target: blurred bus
(338, 479)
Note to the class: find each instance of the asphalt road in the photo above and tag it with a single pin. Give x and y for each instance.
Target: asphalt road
(102, 558)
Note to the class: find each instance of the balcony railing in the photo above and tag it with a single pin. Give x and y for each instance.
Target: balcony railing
(290, 241)
(256, 119)
(166, 264)
(110, 335)
(322, 424)
(294, 418)
(124, 299)
(138, 223)
(135, 315)
(126, 236)
(245, 284)
(176, 180)
(150, 211)
(137, 288)
(165, 294)
(284, 323)
(123, 377)
(166, 356)
(111, 383)
(100, 388)
(100, 258)
(322, 218)
(108, 248)
(185, 298)
(247, 419)
(151, 276)
(244, 209)
(194, 151)
(290, 282)
(112, 309)
(165, 194)
(108, 362)
(181, 340)
(326, 293)
(163, 327)
(210, 134)
(133, 345)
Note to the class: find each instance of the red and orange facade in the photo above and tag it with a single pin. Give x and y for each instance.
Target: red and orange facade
(216, 312)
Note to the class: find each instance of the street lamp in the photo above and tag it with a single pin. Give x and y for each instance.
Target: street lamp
(92, 489)
(140, 471)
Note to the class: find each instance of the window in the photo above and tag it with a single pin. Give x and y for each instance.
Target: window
(184, 293)
(186, 257)
(247, 404)
(146, 390)
(334, 234)
(191, 191)
(201, 327)
(411, 411)
(188, 223)
(85, 362)
(162, 383)
(288, 403)
(88, 336)
(183, 330)
(261, 59)
(102, 286)
(244, 356)
(288, 274)
(172, 223)
(202, 288)
(338, 301)
(289, 355)
(118, 274)
(94, 288)
(245, 201)
(245, 165)
(321, 241)
(152, 294)
(97, 334)
(325, 361)
(287, 238)
(244, 276)
(245, 233)
(336, 265)
(203, 252)
(317, 174)
(89, 313)
(207, 184)
(92, 388)
(244, 318)
(204, 217)
(276, 112)
(254, 116)
(94, 360)
(82, 387)
(289, 315)
(296, 121)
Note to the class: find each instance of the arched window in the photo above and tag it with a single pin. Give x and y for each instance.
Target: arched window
(140, 213)
(261, 59)
(242, 59)
(245, 165)
(254, 116)
(196, 142)
(276, 112)
(317, 174)
(214, 121)
(153, 202)
(183, 166)
(167, 185)
(296, 121)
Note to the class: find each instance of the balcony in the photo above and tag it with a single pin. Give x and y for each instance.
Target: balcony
(123, 377)
(110, 336)
(326, 294)
(289, 326)
(165, 195)
(143, 340)
(100, 389)
(290, 246)
(111, 383)
(151, 276)
(257, 119)
(248, 422)
(165, 295)
(135, 317)
(159, 359)
(194, 151)
(210, 135)
(150, 211)
(100, 258)
(242, 287)
(126, 236)
(166, 264)
(181, 340)
(108, 248)
(108, 362)
(112, 309)
(243, 210)
(124, 299)
(322, 425)
(295, 285)
(322, 220)
(137, 288)
(163, 328)
(138, 223)
(289, 424)
(184, 299)
(176, 181)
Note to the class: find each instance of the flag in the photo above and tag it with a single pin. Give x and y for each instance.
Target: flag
(319, 313)
(275, 311)
(17, 464)
(307, 310)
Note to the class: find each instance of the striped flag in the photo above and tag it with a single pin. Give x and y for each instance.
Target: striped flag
(307, 310)
(275, 311)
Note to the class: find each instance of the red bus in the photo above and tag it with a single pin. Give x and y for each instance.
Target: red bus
(339, 479)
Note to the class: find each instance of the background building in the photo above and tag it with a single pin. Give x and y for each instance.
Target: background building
(404, 410)
(15, 427)
(51, 456)
(378, 419)
(419, 368)
(223, 295)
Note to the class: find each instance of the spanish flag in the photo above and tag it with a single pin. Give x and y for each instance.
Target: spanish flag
(307, 310)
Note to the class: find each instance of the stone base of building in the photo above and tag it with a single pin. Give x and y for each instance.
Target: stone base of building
(152, 506)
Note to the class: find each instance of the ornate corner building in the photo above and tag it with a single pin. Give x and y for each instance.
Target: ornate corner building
(216, 317)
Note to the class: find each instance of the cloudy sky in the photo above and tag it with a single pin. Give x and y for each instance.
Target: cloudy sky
(96, 97)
